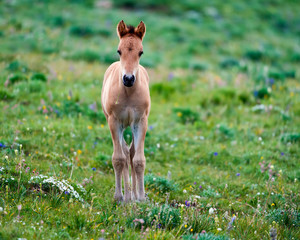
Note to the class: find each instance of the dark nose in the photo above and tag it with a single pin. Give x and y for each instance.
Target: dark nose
(128, 80)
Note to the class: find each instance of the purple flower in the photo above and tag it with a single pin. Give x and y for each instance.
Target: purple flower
(215, 153)
(159, 225)
(187, 203)
(2, 145)
(282, 153)
(238, 174)
(195, 183)
(67, 193)
(94, 169)
(150, 127)
(200, 187)
(170, 76)
(271, 81)
(255, 93)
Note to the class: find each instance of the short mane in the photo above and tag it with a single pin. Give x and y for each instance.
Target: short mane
(130, 29)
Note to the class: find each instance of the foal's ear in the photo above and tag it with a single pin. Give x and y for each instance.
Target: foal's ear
(122, 29)
(140, 30)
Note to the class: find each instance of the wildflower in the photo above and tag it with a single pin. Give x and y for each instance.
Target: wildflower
(200, 186)
(90, 127)
(215, 153)
(282, 153)
(102, 126)
(195, 183)
(219, 229)
(2, 145)
(231, 223)
(102, 230)
(184, 191)
(6, 157)
(67, 193)
(19, 207)
(94, 169)
(211, 211)
(273, 233)
(150, 127)
(159, 225)
(170, 76)
(191, 229)
(238, 174)
(203, 232)
(273, 204)
(187, 203)
(1, 209)
(79, 151)
(185, 226)
(179, 114)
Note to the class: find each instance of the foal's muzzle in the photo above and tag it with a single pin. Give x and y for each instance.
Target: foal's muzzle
(128, 80)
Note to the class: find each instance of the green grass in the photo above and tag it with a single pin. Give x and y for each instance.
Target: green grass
(223, 135)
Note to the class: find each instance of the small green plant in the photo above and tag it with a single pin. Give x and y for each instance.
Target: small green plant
(185, 115)
(39, 77)
(159, 183)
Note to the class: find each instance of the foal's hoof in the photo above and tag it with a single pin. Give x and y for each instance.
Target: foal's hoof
(118, 198)
(127, 198)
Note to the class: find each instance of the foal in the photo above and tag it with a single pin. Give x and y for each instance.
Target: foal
(125, 102)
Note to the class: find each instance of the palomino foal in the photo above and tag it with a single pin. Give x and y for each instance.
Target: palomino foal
(125, 102)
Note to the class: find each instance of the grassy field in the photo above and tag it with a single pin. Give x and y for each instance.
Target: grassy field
(223, 143)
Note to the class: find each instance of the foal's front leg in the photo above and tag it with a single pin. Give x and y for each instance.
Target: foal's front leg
(139, 131)
(118, 157)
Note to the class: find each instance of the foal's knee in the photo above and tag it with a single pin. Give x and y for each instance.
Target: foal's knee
(139, 165)
(118, 162)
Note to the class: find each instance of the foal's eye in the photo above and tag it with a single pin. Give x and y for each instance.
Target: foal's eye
(140, 53)
(119, 52)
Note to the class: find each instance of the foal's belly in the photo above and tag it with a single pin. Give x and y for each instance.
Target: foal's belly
(129, 115)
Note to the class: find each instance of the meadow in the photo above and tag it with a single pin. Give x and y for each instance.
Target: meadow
(223, 142)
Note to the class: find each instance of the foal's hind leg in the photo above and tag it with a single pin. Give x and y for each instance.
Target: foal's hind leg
(139, 132)
(133, 174)
(127, 191)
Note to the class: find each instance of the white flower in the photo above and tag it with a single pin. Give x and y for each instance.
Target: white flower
(219, 229)
(211, 211)
(184, 191)
(6, 157)
(1, 209)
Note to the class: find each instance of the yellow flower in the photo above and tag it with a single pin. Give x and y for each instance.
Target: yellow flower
(102, 126)
(179, 114)
(44, 107)
(79, 151)
(191, 230)
(261, 157)
(90, 127)
(46, 117)
(185, 226)
(273, 204)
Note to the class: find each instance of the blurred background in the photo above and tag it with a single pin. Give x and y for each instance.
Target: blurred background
(224, 121)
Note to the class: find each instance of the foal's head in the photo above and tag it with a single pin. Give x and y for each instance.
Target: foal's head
(130, 50)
